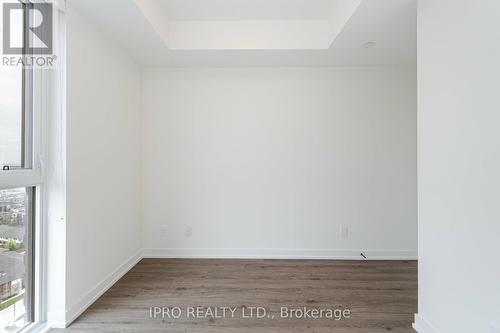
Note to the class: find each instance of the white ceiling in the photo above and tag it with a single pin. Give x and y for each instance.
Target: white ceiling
(229, 33)
(246, 9)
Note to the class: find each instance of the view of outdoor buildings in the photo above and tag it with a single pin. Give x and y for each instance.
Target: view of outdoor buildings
(13, 218)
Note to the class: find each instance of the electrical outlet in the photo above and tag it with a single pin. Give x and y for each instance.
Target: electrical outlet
(344, 231)
(188, 232)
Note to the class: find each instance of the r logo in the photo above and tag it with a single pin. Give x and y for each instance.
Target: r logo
(35, 37)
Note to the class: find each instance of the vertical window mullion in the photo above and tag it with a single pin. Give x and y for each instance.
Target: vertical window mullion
(30, 255)
(27, 95)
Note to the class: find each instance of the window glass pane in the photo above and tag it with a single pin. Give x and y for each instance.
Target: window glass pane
(15, 259)
(12, 116)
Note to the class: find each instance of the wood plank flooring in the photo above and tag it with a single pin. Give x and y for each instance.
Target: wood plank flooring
(381, 295)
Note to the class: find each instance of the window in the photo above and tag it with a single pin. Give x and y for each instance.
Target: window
(20, 187)
(16, 103)
(16, 258)
(10, 117)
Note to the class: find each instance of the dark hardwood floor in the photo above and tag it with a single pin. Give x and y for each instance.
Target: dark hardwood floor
(381, 296)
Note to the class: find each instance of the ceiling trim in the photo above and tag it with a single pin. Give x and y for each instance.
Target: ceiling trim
(248, 34)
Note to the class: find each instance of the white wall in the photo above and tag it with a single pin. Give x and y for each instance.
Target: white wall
(459, 166)
(103, 161)
(271, 162)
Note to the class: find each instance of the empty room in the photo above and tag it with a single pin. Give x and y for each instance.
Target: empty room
(247, 166)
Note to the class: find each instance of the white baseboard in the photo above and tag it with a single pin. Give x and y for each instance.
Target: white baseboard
(213, 253)
(423, 326)
(81, 305)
